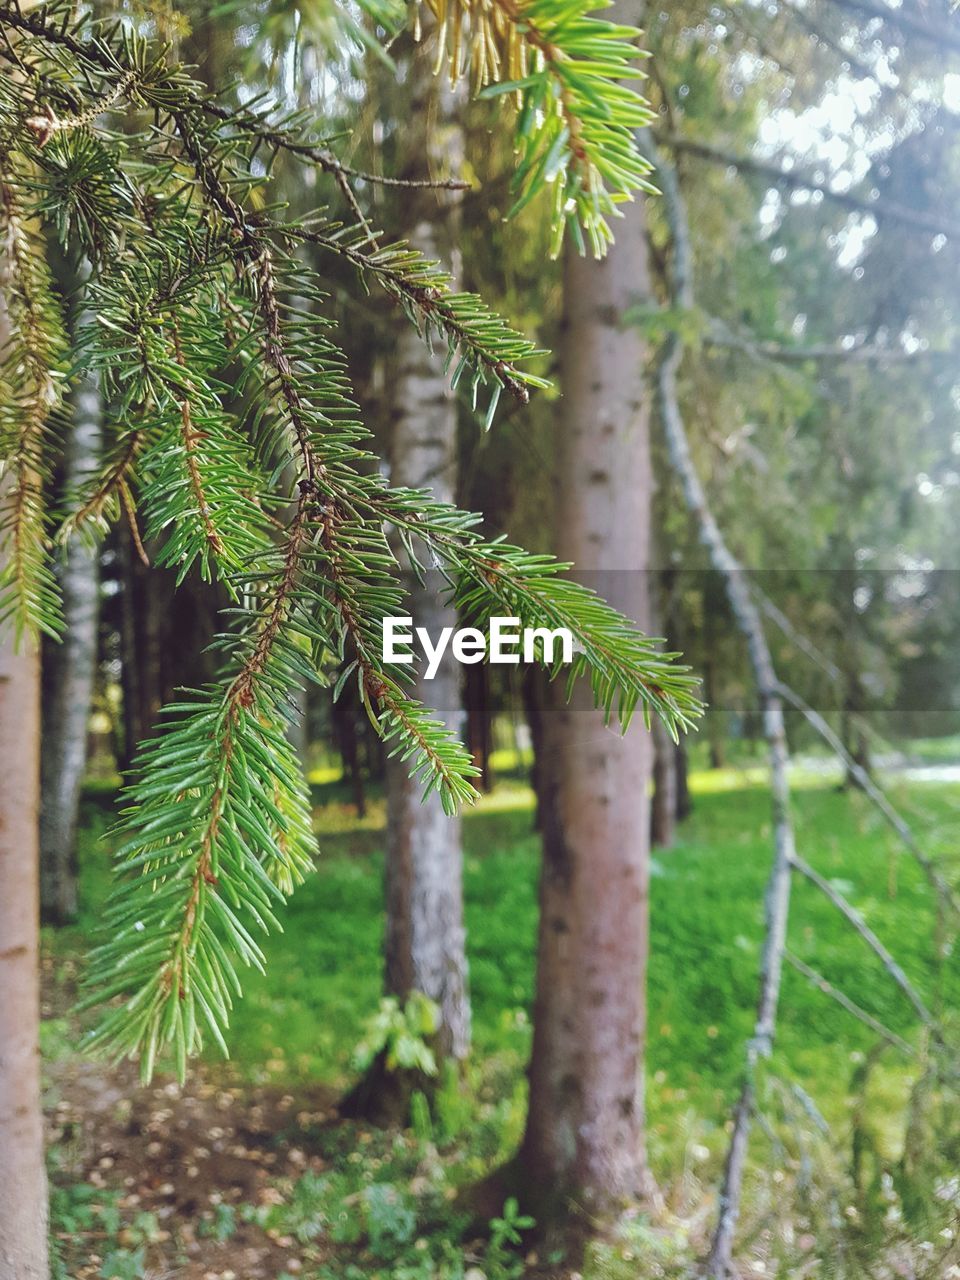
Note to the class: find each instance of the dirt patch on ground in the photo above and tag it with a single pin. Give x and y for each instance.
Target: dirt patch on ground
(180, 1153)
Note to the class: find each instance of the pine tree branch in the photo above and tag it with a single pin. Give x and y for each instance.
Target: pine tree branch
(466, 323)
(179, 979)
(259, 127)
(576, 114)
(188, 282)
(29, 394)
(117, 474)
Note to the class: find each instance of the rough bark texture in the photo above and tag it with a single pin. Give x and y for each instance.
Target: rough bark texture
(424, 946)
(23, 1191)
(585, 1128)
(68, 677)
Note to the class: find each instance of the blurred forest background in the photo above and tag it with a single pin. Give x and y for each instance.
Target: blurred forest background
(798, 281)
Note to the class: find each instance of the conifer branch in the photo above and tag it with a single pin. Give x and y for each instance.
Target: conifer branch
(477, 336)
(576, 119)
(188, 281)
(29, 394)
(576, 115)
(216, 853)
(116, 475)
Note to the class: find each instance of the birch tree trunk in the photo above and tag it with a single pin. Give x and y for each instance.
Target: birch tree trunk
(68, 676)
(585, 1128)
(23, 1190)
(747, 617)
(425, 943)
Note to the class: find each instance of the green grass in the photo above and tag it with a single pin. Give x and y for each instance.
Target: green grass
(303, 1018)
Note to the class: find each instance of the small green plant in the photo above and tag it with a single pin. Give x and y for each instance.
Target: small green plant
(391, 1222)
(506, 1235)
(124, 1264)
(305, 1215)
(222, 1226)
(401, 1033)
(81, 1210)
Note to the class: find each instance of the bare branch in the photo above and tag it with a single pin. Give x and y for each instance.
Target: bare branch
(856, 920)
(802, 642)
(868, 1020)
(801, 180)
(874, 793)
(719, 334)
(750, 623)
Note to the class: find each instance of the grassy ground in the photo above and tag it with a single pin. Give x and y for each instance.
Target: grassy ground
(300, 1022)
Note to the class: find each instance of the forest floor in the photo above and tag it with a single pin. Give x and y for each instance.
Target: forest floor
(247, 1172)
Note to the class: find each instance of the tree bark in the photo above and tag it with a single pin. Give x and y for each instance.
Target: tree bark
(344, 717)
(479, 721)
(663, 801)
(68, 678)
(585, 1128)
(532, 689)
(681, 765)
(663, 807)
(425, 941)
(165, 638)
(23, 1189)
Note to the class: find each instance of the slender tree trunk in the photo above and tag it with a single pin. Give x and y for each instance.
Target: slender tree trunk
(68, 677)
(532, 690)
(23, 1179)
(585, 1128)
(748, 620)
(425, 944)
(344, 716)
(23, 1190)
(663, 802)
(165, 639)
(682, 775)
(479, 721)
(663, 808)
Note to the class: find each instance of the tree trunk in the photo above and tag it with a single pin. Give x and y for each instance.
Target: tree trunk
(344, 717)
(663, 808)
(23, 1190)
(585, 1128)
(424, 946)
(715, 717)
(165, 639)
(663, 802)
(68, 677)
(23, 1179)
(479, 721)
(681, 765)
(532, 688)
